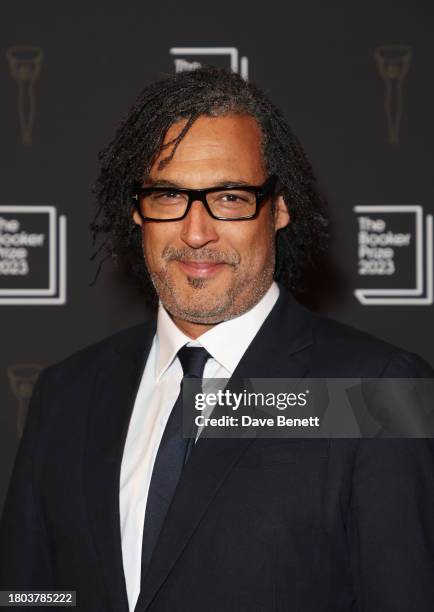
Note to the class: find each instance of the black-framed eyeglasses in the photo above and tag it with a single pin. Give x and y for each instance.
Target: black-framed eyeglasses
(228, 203)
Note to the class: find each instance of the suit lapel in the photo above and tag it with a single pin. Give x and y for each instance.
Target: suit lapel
(209, 463)
(281, 349)
(110, 410)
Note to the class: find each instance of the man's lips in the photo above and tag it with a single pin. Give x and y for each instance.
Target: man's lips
(201, 269)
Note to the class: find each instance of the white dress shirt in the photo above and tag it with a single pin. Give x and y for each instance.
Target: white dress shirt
(159, 388)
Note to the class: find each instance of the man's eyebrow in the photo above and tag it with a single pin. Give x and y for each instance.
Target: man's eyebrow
(176, 185)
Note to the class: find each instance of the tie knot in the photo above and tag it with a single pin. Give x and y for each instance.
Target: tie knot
(193, 360)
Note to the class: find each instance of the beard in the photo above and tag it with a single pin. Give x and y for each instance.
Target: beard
(206, 301)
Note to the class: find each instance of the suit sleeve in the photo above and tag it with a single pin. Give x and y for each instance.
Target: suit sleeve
(391, 528)
(24, 551)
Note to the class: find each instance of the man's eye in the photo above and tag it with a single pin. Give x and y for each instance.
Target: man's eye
(233, 197)
(170, 194)
(230, 197)
(167, 195)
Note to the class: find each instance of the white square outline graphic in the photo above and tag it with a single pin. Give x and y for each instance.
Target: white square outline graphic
(405, 297)
(417, 210)
(239, 65)
(52, 249)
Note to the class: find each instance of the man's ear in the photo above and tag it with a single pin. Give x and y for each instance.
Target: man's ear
(136, 218)
(281, 213)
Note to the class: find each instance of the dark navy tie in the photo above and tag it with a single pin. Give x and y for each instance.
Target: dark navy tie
(171, 457)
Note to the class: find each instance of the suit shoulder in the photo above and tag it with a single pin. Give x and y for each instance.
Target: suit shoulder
(365, 354)
(340, 334)
(88, 360)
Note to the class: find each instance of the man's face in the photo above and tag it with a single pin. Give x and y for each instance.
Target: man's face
(204, 270)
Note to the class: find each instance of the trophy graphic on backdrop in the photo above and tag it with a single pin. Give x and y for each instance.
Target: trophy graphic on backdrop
(25, 66)
(22, 377)
(393, 63)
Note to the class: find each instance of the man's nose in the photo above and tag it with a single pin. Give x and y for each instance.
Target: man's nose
(198, 227)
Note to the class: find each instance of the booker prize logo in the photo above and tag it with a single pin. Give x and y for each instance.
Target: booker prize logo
(190, 58)
(395, 256)
(32, 256)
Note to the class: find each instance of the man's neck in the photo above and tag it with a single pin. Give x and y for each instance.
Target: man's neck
(192, 330)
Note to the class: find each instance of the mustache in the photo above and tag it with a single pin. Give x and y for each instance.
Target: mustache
(200, 255)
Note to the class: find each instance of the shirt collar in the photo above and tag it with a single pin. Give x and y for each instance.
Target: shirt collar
(226, 342)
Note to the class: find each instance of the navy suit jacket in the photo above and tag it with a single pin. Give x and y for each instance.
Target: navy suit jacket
(256, 525)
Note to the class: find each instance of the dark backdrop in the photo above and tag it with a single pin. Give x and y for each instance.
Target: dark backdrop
(314, 59)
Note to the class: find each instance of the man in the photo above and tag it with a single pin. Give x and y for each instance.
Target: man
(108, 499)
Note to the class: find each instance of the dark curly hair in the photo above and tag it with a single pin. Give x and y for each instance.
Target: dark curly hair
(139, 140)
